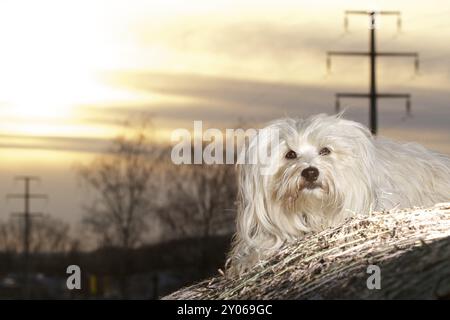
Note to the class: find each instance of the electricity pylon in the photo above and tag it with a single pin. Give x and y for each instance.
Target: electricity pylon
(27, 215)
(373, 95)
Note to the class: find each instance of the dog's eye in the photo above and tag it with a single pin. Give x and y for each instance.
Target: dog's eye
(291, 154)
(324, 151)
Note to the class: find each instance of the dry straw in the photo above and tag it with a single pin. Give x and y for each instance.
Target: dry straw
(411, 246)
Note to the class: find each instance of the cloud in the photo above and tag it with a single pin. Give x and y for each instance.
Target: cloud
(215, 90)
(224, 97)
(53, 143)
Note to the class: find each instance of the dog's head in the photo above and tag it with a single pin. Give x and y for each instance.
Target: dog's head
(315, 168)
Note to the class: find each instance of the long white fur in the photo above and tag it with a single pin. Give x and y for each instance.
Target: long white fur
(361, 174)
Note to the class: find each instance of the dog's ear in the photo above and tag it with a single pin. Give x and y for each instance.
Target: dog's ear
(359, 181)
(253, 221)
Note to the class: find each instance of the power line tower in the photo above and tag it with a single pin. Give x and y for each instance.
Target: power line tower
(26, 215)
(373, 95)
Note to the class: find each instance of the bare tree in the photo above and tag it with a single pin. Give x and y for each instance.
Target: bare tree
(120, 182)
(48, 234)
(200, 200)
(199, 203)
(10, 237)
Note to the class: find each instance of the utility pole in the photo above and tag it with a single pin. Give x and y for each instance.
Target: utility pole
(373, 95)
(27, 215)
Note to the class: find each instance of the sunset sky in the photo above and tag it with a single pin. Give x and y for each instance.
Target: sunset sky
(71, 71)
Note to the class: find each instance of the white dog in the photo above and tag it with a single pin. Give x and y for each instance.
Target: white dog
(327, 169)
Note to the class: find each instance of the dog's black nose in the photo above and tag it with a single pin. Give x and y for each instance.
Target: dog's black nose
(310, 174)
